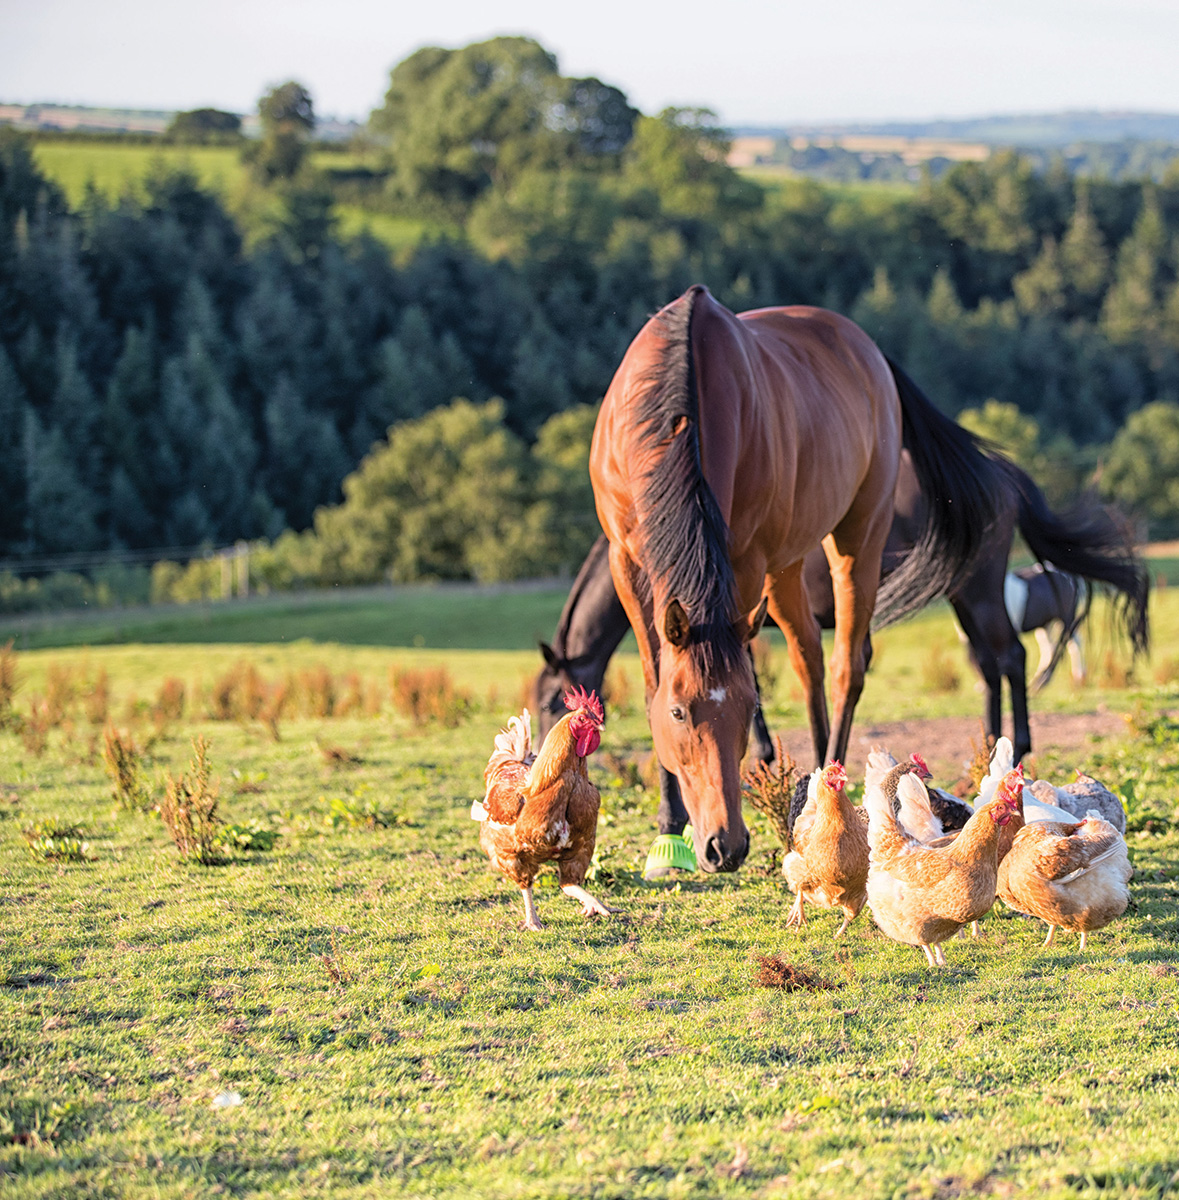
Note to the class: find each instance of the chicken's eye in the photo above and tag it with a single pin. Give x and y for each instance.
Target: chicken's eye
(678, 714)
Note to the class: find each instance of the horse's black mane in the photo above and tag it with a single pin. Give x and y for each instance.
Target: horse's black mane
(685, 537)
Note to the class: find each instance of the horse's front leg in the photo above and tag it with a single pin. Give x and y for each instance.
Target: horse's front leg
(791, 609)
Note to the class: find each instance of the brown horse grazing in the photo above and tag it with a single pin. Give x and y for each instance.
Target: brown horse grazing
(726, 448)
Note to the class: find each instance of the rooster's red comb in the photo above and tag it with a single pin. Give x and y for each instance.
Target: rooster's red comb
(578, 698)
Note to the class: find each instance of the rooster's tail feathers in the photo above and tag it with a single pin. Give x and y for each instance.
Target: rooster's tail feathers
(516, 740)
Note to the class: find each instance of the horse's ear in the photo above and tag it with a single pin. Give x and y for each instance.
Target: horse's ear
(748, 627)
(675, 624)
(549, 655)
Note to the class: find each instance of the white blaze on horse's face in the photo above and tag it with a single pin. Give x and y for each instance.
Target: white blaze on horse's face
(718, 694)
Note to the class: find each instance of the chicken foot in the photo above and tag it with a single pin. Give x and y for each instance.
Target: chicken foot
(589, 906)
(1051, 933)
(531, 920)
(797, 916)
(935, 955)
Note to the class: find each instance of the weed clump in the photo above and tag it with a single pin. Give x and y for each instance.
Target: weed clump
(769, 787)
(252, 836)
(189, 809)
(980, 762)
(57, 840)
(772, 972)
(124, 764)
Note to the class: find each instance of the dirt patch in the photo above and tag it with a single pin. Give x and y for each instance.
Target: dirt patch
(945, 742)
(773, 972)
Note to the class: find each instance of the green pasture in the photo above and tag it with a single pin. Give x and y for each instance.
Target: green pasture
(364, 989)
(114, 169)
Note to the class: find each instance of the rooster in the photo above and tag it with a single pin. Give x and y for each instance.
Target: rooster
(1073, 876)
(922, 895)
(829, 862)
(542, 807)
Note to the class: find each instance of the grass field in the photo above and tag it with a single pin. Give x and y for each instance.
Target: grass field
(364, 990)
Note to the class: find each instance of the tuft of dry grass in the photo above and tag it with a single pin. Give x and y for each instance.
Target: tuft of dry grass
(428, 697)
(1114, 673)
(616, 690)
(337, 756)
(939, 672)
(765, 667)
(9, 677)
(774, 972)
(980, 760)
(34, 728)
(770, 789)
(189, 808)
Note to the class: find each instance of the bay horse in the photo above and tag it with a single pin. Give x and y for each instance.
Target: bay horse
(726, 448)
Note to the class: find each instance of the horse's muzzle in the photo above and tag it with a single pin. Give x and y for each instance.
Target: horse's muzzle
(724, 852)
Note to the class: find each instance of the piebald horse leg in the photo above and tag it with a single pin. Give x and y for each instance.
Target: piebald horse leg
(791, 609)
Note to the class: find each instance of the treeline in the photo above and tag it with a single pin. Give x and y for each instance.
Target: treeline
(172, 375)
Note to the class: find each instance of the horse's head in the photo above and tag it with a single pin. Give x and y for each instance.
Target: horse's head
(699, 716)
(558, 676)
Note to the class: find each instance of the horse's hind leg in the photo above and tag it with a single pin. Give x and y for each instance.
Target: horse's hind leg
(853, 552)
(791, 609)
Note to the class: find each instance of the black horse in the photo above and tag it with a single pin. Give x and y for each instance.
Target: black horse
(1086, 542)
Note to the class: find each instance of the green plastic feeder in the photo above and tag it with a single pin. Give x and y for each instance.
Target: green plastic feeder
(670, 852)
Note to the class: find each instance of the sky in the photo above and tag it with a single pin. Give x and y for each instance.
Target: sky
(770, 62)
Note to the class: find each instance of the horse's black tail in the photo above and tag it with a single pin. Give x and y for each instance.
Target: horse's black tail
(1088, 540)
(964, 486)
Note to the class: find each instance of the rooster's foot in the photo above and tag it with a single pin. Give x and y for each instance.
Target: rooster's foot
(589, 906)
(797, 916)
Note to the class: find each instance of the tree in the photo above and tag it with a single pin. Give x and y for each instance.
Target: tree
(1015, 433)
(204, 126)
(1142, 471)
(458, 122)
(445, 497)
(288, 121)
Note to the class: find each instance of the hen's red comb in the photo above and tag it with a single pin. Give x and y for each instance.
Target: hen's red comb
(921, 766)
(834, 776)
(578, 698)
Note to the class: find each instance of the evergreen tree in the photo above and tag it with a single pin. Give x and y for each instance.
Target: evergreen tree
(62, 512)
(14, 416)
(306, 459)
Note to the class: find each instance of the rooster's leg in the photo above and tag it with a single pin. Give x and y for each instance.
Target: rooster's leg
(929, 956)
(846, 922)
(589, 906)
(1084, 935)
(531, 920)
(939, 955)
(974, 930)
(796, 916)
(1051, 931)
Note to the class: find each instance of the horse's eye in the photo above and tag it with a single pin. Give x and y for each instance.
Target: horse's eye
(678, 714)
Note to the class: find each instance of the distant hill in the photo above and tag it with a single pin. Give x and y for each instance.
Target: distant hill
(74, 118)
(1027, 129)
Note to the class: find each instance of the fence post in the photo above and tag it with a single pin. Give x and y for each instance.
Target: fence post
(242, 557)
